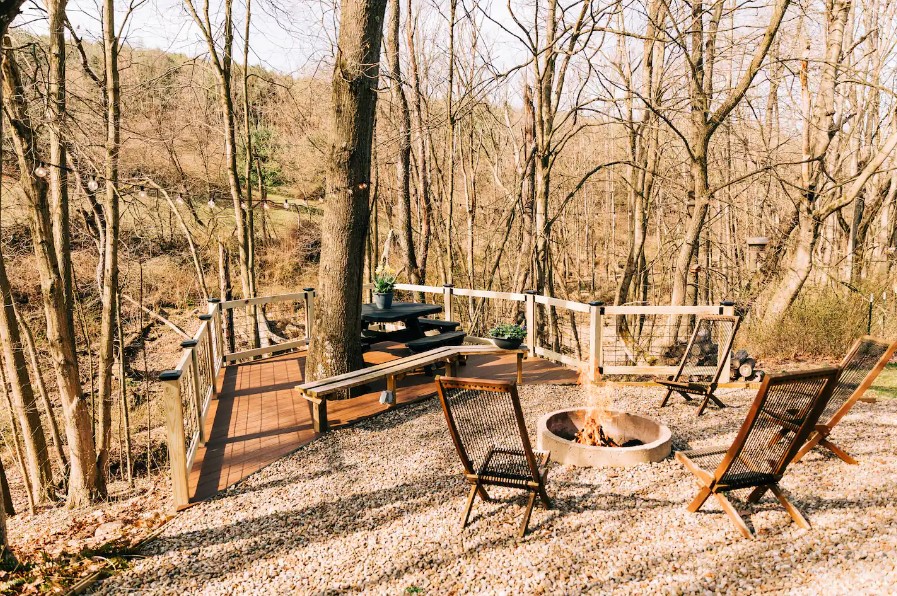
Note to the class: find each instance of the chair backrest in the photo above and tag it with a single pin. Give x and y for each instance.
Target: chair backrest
(483, 416)
(708, 349)
(788, 400)
(866, 359)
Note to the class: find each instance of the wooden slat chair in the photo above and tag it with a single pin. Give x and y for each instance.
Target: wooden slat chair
(486, 424)
(706, 356)
(861, 366)
(756, 459)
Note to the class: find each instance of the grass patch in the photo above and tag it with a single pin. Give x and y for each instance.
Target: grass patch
(886, 383)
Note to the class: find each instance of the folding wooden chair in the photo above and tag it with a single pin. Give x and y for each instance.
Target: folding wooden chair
(759, 456)
(487, 428)
(859, 369)
(706, 355)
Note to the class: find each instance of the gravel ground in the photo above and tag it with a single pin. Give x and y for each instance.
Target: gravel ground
(376, 508)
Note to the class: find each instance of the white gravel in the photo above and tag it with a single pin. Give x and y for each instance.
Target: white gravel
(376, 508)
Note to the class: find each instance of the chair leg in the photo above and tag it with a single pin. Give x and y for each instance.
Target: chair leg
(704, 404)
(699, 500)
(815, 439)
(470, 497)
(529, 510)
(846, 457)
(666, 398)
(543, 496)
(733, 515)
(719, 403)
(796, 515)
(757, 494)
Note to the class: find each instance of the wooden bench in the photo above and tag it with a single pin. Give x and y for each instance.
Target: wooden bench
(316, 391)
(430, 342)
(438, 325)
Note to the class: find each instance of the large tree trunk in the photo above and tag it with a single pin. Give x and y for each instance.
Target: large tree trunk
(60, 328)
(797, 270)
(23, 400)
(112, 96)
(335, 345)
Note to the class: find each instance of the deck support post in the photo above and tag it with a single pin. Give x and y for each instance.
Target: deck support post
(217, 332)
(447, 293)
(727, 307)
(530, 306)
(210, 353)
(309, 312)
(177, 447)
(596, 328)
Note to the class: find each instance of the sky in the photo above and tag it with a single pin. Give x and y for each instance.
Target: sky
(290, 37)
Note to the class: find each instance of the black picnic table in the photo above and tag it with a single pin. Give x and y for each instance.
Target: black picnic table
(400, 312)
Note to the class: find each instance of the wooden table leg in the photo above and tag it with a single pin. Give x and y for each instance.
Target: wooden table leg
(520, 368)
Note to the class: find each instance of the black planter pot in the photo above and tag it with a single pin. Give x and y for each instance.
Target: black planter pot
(507, 344)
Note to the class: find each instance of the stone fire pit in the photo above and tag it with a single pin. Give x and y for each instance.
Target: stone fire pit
(556, 433)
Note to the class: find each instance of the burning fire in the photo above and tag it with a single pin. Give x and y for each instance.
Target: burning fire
(592, 432)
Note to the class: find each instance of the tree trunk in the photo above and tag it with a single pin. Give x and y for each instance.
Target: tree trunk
(60, 327)
(402, 117)
(797, 270)
(23, 402)
(335, 345)
(109, 316)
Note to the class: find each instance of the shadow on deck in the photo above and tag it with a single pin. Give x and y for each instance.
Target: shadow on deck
(258, 417)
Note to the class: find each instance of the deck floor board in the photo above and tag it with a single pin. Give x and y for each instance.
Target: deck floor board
(258, 416)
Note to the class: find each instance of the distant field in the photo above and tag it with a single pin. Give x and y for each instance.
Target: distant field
(886, 383)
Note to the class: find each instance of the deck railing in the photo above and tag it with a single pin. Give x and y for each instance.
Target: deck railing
(590, 337)
(188, 389)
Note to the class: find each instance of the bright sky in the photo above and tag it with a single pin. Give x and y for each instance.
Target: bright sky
(291, 37)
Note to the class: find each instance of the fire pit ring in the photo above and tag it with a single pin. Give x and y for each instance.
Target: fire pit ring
(556, 433)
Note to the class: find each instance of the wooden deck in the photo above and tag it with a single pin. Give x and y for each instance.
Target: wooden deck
(258, 417)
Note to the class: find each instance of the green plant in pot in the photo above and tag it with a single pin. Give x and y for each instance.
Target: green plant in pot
(507, 336)
(384, 285)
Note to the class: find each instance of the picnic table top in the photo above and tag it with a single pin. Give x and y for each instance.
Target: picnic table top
(400, 311)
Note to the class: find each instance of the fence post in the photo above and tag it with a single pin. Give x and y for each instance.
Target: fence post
(211, 353)
(447, 293)
(531, 321)
(215, 311)
(177, 450)
(728, 309)
(190, 344)
(309, 312)
(596, 328)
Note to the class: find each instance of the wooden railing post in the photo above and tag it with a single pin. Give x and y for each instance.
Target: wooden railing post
(177, 449)
(447, 293)
(531, 321)
(190, 344)
(596, 327)
(210, 341)
(216, 328)
(309, 312)
(728, 309)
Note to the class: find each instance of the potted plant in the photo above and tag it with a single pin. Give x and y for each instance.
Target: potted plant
(384, 284)
(507, 336)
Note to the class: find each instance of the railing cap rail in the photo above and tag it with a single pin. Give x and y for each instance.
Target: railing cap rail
(170, 375)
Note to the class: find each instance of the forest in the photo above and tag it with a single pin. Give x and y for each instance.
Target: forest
(661, 152)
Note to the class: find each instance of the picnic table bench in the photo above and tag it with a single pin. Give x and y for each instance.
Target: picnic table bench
(316, 392)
